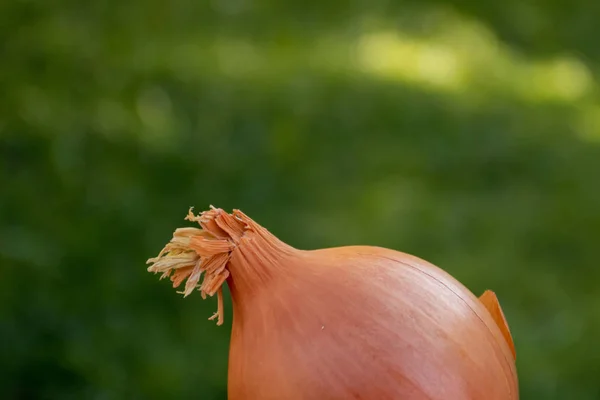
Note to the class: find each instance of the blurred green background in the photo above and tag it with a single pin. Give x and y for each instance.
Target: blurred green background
(464, 132)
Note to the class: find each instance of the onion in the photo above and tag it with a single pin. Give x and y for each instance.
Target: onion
(354, 322)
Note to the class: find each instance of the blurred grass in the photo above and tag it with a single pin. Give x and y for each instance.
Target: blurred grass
(465, 133)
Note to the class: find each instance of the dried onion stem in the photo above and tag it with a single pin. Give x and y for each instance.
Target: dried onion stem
(196, 251)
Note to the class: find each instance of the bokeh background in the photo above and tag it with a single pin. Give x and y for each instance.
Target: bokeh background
(465, 132)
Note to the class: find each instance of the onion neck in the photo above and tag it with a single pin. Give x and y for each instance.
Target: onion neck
(228, 248)
(258, 257)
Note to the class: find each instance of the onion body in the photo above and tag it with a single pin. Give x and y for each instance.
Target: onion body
(356, 322)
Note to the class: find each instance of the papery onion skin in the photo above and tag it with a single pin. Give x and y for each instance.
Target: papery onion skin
(356, 322)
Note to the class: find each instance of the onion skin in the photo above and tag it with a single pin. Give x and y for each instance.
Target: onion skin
(356, 322)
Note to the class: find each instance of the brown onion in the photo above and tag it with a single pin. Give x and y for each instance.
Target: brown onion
(354, 322)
